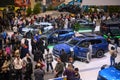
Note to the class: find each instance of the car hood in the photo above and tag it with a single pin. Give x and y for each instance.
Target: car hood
(110, 73)
(64, 46)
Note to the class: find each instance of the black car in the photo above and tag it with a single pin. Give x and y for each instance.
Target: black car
(70, 8)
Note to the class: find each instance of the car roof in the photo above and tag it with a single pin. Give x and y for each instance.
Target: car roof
(88, 36)
(43, 23)
(111, 21)
(83, 20)
(64, 30)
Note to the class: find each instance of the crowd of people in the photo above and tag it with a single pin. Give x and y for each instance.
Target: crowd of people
(16, 62)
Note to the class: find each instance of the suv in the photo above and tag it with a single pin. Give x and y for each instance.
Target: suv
(56, 36)
(79, 45)
(109, 73)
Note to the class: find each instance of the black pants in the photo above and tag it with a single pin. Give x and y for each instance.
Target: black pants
(49, 64)
(5, 76)
(18, 74)
(28, 76)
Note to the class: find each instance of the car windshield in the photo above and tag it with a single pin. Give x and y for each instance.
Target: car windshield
(72, 42)
(34, 26)
(115, 30)
(48, 31)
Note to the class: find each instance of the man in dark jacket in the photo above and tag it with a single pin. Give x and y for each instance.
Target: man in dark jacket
(29, 70)
(41, 47)
(63, 57)
(59, 68)
(24, 51)
(33, 45)
(39, 73)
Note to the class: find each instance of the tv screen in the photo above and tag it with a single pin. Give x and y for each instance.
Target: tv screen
(4, 3)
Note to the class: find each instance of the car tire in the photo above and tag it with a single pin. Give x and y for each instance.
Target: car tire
(99, 53)
(89, 57)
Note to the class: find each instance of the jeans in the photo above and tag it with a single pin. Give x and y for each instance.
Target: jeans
(49, 64)
(112, 60)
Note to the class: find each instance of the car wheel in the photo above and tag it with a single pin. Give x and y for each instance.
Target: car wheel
(89, 57)
(100, 53)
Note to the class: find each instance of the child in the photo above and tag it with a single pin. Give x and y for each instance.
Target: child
(77, 75)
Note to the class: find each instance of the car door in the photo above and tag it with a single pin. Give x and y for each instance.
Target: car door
(81, 49)
(54, 37)
(62, 35)
(96, 45)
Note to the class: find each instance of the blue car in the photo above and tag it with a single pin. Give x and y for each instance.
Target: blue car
(79, 45)
(109, 73)
(56, 36)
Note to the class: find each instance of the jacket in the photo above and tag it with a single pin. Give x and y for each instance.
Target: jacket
(39, 74)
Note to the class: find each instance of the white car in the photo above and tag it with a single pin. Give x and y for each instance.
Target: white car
(30, 28)
(45, 25)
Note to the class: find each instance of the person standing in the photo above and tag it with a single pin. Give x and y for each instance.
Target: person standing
(26, 42)
(15, 29)
(18, 63)
(63, 57)
(69, 72)
(29, 69)
(4, 35)
(41, 47)
(39, 72)
(90, 48)
(59, 68)
(77, 75)
(113, 55)
(5, 66)
(89, 55)
(33, 45)
(49, 60)
(24, 51)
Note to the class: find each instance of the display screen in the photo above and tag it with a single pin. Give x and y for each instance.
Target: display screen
(4, 3)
